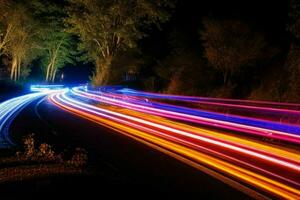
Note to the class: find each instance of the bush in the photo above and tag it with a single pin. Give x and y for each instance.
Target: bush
(29, 146)
(79, 159)
(45, 154)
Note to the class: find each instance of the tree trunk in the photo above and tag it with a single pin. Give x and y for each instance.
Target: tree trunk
(19, 69)
(13, 68)
(53, 75)
(100, 77)
(48, 72)
(226, 77)
(51, 72)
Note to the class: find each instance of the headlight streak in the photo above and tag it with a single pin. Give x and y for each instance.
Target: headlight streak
(191, 118)
(250, 161)
(108, 113)
(266, 104)
(42, 88)
(273, 111)
(11, 108)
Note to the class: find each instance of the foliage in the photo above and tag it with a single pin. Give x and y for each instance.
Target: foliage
(293, 64)
(230, 60)
(108, 27)
(31, 30)
(294, 15)
(19, 30)
(79, 159)
(58, 51)
(230, 44)
(57, 46)
(5, 7)
(184, 72)
(45, 153)
(29, 146)
(293, 61)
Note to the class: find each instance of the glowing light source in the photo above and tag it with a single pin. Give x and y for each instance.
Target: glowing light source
(40, 88)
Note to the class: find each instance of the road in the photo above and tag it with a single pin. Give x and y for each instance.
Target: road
(167, 142)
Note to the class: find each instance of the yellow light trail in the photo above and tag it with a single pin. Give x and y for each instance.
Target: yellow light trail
(276, 150)
(244, 175)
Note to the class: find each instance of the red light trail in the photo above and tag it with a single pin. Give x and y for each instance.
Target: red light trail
(224, 145)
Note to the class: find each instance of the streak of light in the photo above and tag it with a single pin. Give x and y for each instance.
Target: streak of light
(248, 161)
(11, 108)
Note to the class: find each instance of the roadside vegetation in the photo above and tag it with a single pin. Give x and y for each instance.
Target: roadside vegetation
(220, 56)
(38, 161)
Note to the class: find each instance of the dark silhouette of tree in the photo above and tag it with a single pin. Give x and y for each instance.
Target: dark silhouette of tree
(184, 71)
(230, 44)
(293, 57)
(294, 15)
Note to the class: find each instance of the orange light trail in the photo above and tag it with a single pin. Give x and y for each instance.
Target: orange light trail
(247, 161)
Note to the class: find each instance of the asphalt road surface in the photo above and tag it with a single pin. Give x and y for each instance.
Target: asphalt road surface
(160, 143)
(124, 164)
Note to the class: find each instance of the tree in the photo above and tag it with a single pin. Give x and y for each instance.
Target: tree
(57, 52)
(293, 57)
(20, 43)
(6, 26)
(294, 16)
(4, 4)
(55, 43)
(230, 44)
(108, 27)
(183, 70)
(18, 29)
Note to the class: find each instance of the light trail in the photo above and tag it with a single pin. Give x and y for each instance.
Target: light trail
(287, 112)
(156, 109)
(221, 144)
(11, 108)
(272, 168)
